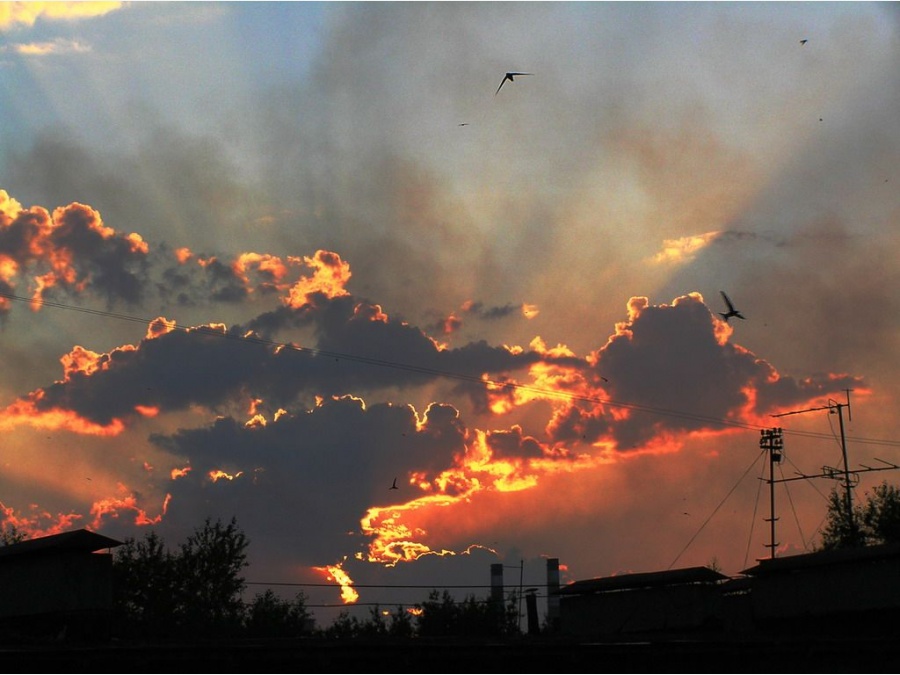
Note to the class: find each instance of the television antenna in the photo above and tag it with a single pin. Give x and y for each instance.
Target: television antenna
(771, 440)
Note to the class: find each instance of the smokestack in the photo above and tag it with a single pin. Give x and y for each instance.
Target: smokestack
(534, 627)
(497, 592)
(497, 584)
(553, 593)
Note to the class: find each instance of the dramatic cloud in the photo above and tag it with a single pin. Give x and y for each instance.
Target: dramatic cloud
(259, 260)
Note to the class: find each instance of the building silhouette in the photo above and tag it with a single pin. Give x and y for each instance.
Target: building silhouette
(57, 585)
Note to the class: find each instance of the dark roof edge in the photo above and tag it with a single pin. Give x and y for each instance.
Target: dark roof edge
(77, 540)
(687, 575)
(822, 558)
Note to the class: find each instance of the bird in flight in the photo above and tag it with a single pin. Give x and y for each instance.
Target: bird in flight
(394, 485)
(510, 77)
(731, 310)
(803, 42)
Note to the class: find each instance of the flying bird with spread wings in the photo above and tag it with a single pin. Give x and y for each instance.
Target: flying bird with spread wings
(394, 486)
(510, 77)
(731, 310)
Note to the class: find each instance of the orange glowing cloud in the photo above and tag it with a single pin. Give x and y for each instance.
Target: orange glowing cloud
(9, 268)
(217, 475)
(113, 507)
(137, 243)
(147, 410)
(482, 488)
(63, 248)
(183, 254)
(80, 360)
(492, 466)
(180, 473)
(8, 206)
(550, 382)
(38, 523)
(160, 326)
(451, 324)
(270, 266)
(370, 312)
(330, 276)
(336, 573)
(682, 250)
(254, 406)
(394, 537)
(255, 422)
(26, 413)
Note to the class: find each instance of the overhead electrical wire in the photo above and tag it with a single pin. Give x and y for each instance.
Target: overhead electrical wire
(715, 511)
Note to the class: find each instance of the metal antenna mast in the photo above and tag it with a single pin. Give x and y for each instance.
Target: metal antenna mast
(771, 440)
(847, 484)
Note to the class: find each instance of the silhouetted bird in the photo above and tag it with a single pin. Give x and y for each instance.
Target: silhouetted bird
(508, 76)
(731, 310)
(803, 42)
(394, 486)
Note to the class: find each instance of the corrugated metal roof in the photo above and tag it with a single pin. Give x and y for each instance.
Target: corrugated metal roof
(823, 558)
(76, 540)
(687, 575)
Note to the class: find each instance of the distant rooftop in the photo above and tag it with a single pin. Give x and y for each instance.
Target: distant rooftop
(74, 541)
(822, 558)
(687, 575)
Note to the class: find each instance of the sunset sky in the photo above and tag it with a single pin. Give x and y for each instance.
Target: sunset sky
(259, 259)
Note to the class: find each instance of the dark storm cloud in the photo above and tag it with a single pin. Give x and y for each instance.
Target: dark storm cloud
(512, 443)
(478, 309)
(342, 442)
(215, 281)
(669, 367)
(198, 366)
(355, 349)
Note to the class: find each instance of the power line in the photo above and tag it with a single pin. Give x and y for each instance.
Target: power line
(312, 351)
(710, 516)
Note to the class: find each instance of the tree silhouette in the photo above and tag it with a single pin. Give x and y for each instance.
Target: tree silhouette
(209, 581)
(441, 615)
(401, 625)
(195, 591)
(269, 616)
(875, 521)
(144, 585)
(880, 515)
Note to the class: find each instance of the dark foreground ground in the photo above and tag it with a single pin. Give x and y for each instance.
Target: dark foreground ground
(808, 655)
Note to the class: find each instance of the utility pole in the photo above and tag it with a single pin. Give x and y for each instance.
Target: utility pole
(771, 440)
